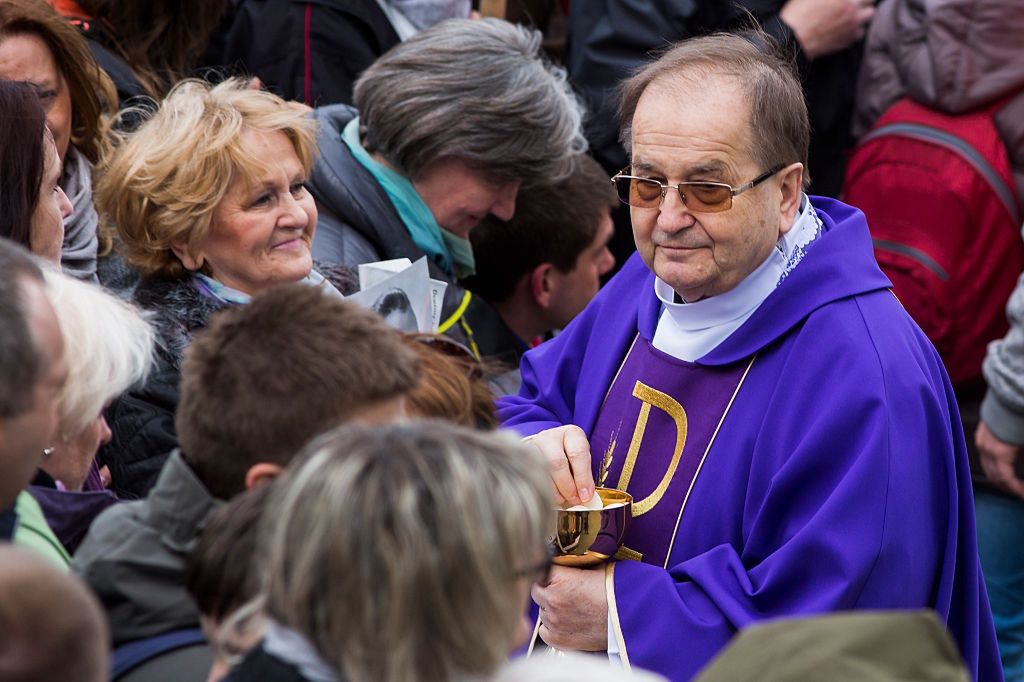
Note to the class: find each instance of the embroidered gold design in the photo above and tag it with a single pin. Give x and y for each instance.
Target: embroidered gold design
(627, 554)
(670, 406)
(606, 461)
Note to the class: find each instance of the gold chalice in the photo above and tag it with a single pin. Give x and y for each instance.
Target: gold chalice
(588, 538)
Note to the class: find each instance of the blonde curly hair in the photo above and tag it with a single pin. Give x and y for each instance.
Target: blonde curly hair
(163, 182)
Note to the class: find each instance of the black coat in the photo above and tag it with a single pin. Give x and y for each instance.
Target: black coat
(310, 52)
(609, 39)
(142, 419)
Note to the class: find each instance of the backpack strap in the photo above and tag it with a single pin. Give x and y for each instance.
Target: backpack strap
(129, 656)
(961, 148)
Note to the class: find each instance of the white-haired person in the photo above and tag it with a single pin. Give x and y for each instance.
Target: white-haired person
(108, 348)
(401, 553)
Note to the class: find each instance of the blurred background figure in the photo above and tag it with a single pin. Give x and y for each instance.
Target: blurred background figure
(426, 154)
(39, 47)
(314, 52)
(223, 577)
(844, 647)
(145, 47)
(53, 628)
(940, 176)
(539, 269)
(32, 204)
(419, 540)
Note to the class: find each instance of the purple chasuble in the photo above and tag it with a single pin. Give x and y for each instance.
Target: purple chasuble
(657, 424)
(838, 481)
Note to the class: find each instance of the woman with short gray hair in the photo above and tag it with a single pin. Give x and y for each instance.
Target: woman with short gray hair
(402, 553)
(446, 127)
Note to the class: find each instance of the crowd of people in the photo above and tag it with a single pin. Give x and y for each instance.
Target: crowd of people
(753, 264)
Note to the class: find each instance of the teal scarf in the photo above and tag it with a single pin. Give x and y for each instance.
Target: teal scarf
(451, 253)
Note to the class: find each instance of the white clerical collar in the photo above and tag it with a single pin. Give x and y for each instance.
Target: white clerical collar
(690, 330)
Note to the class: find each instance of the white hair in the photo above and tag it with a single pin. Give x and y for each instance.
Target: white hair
(108, 346)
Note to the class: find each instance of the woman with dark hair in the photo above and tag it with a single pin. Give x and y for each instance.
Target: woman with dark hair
(159, 40)
(32, 204)
(39, 47)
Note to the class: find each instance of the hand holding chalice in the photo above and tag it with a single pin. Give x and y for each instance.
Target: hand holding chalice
(590, 534)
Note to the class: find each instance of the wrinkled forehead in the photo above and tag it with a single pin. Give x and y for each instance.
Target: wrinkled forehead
(705, 113)
(259, 154)
(698, 96)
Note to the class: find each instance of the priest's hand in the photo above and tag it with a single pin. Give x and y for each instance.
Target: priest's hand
(573, 609)
(998, 459)
(567, 452)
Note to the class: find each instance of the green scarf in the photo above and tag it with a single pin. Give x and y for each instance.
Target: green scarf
(451, 253)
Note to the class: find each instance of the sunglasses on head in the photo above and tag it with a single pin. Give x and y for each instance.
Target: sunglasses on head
(454, 350)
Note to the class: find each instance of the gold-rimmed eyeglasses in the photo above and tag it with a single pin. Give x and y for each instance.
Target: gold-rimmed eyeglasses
(699, 196)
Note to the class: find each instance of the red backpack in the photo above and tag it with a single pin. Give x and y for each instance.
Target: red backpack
(937, 191)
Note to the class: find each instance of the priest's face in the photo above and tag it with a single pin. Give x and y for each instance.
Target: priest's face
(698, 129)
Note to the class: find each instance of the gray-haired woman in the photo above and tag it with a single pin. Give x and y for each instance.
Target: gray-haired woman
(402, 553)
(446, 127)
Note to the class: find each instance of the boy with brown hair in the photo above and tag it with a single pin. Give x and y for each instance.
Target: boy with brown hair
(257, 384)
(541, 268)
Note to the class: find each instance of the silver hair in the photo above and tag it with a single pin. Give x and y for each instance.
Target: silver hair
(404, 553)
(477, 91)
(108, 346)
(778, 122)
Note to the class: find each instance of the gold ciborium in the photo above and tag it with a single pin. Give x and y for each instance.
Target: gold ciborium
(588, 538)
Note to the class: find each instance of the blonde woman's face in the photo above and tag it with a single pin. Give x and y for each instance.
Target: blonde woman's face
(261, 235)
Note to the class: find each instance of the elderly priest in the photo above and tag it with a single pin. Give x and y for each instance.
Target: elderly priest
(787, 432)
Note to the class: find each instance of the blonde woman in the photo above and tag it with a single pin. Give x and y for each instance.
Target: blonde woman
(209, 201)
(401, 553)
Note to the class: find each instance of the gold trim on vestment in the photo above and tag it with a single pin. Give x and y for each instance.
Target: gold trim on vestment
(619, 370)
(704, 457)
(627, 554)
(613, 614)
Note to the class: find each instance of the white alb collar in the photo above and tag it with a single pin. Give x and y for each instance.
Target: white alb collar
(745, 297)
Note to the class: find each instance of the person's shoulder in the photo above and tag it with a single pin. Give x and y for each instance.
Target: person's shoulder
(178, 308)
(331, 119)
(872, 333)
(115, 528)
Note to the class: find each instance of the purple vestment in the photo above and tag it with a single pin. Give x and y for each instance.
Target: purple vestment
(838, 479)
